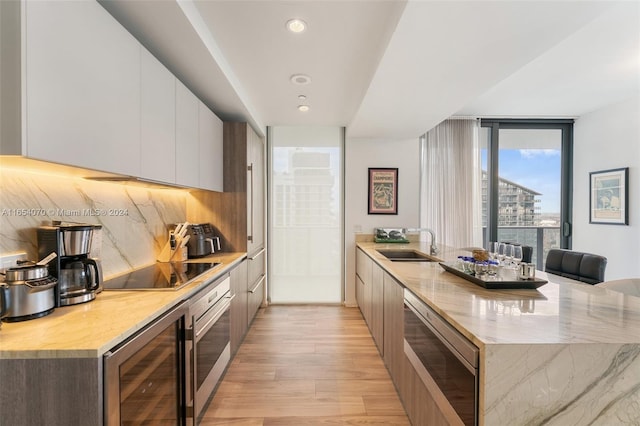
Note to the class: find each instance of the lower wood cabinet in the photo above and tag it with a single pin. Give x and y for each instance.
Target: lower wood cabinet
(363, 284)
(393, 306)
(370, 296)
(360, 290)
(418, 402)
(239, 305)
(256, 283)
(381, 300)
(376, 314)
(52, 392)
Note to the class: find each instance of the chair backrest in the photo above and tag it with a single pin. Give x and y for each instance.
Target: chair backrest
(585, 267)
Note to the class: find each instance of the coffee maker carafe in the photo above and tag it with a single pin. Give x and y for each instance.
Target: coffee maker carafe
(79, 276)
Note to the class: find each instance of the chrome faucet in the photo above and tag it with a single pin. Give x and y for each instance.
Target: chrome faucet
(433, 248)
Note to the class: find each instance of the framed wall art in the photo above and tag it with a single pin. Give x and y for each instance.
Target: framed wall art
(383, 191)
(608, 196)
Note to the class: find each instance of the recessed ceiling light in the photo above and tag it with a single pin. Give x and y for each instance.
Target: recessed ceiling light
(300, 79)
(303, 108)
(302, 97)
(296, 25)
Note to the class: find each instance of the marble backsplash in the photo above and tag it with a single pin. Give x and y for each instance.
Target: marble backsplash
(135, 220)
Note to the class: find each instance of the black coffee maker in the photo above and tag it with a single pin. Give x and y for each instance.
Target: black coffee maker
(79, 276)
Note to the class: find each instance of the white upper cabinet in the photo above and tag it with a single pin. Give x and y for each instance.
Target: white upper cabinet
(95, 98)
(82, 87)
(158, 121)
(211, 146)
(187, 143)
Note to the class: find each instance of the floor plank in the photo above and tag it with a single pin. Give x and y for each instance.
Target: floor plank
(343, 420)
(306, 365)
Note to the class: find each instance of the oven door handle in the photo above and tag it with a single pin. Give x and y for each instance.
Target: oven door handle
(214, 314)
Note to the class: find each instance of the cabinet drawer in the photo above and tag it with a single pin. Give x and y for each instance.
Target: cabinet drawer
(255, 298)
(256, 265)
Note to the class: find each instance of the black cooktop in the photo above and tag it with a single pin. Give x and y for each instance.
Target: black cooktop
(160, 276)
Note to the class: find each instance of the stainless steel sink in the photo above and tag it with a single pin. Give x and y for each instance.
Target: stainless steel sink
(406, 256)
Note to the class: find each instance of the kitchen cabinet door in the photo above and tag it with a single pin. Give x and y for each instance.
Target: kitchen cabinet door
(158, 123)
(376, 315)
(211, 151)
(187, 143)
(239, 305)
(360, 297)
(70, 388)
(364, 272)
(255, 191)
(393, 328)
(245, 180)
(82, 87)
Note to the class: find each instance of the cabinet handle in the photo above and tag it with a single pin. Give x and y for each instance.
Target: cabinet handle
(253, 290)
(250, 168)
(255, 256)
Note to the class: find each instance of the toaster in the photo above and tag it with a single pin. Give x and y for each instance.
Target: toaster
(202, 242)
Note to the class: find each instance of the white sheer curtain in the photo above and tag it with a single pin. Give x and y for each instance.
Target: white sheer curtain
(451, 183)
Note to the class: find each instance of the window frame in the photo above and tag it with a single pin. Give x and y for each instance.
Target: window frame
(566, 170)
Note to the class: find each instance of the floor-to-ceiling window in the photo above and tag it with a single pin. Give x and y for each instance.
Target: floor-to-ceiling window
(527, 183)
(306, 214)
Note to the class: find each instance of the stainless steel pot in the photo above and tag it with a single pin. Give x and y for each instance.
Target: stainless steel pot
(26, 272)
(27, 298)
(3, 301)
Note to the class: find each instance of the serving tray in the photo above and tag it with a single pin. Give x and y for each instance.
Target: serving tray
(505, 279)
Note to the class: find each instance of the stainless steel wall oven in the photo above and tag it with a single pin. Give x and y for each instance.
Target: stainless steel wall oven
(445, 360)
(208, 344)
(144, 377)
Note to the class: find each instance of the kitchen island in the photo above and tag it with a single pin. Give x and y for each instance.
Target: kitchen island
(51, 368)
(565, 353)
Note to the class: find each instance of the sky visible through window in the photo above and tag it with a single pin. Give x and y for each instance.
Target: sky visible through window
(536, 169)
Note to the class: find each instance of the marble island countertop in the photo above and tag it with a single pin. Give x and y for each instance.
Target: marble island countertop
(90, 329)
(565, 353)
(561, 311)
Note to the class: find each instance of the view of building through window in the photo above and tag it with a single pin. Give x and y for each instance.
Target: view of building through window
(306, 215)
(529, 187)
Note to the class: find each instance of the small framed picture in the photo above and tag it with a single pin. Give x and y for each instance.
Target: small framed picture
(608, 196)
(383, 191)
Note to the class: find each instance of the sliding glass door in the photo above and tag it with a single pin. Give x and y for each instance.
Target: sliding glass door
(527, 183)
(306, 214)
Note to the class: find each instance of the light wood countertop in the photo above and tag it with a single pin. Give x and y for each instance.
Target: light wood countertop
(90, 329)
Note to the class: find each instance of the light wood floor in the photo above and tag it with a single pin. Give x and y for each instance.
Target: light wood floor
(306, 365)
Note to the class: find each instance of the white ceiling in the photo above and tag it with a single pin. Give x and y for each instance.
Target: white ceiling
(389, 68)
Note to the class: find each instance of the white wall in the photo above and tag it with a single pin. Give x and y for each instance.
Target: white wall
(608, 138)
(360, 154)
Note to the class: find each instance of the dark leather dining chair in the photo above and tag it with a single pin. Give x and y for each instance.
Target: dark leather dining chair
(586, 267)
